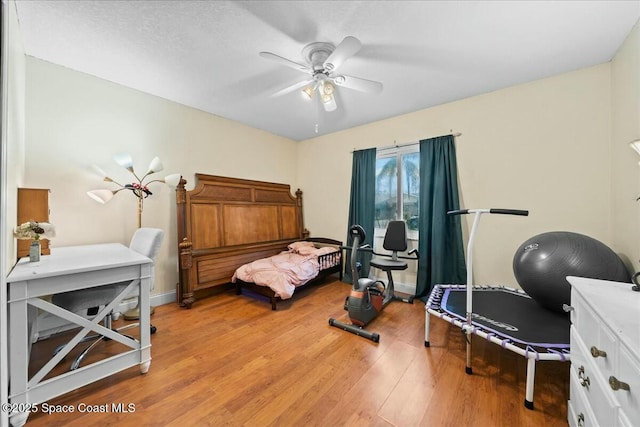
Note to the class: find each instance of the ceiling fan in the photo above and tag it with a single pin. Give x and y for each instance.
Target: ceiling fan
(323, 61)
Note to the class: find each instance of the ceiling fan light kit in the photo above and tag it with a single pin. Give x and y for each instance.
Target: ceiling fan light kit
(308, 91)
(323, 61)
(329, 102)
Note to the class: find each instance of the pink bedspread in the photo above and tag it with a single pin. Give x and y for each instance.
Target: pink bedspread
(285, 271)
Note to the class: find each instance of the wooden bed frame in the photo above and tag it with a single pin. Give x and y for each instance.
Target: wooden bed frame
(224, 223)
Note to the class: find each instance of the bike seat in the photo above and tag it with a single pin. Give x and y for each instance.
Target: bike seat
(388, 264)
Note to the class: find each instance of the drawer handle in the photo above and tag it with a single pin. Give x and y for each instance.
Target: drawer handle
(596, 352)
(618, 385)
(580, 418)
(584, 380)
(567, 308)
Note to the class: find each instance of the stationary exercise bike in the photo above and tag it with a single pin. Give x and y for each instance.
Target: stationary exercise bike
(368, 297)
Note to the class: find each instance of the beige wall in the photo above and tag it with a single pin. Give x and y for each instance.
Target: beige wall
(625, 94)
(74, 120)
(545, 146)
(542, 146)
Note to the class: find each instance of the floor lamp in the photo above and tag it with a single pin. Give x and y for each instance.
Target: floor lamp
(139, 188)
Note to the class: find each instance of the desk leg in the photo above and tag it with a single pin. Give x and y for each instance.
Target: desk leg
(18, 358)
(145, 325)
(19, 419)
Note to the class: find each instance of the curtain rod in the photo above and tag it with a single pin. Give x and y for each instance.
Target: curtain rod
(407, 144)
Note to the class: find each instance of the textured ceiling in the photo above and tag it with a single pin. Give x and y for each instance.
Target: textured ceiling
(204, 54)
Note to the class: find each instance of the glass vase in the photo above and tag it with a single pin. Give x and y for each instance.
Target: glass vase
(34, 251)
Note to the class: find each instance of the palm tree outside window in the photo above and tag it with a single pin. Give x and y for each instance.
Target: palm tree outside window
(397, 198)
(397, 188)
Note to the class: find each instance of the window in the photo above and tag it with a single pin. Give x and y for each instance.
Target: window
(397, 190)
(397, 187)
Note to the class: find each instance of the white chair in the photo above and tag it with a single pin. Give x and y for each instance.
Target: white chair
(146, 241)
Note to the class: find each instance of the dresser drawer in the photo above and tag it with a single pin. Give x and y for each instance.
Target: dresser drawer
(613, 360)
(596, 335)
(623, 421)
(579, 411)
(587, 378)
(629, 373)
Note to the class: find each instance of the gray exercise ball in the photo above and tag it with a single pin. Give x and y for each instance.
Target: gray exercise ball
(542, 263)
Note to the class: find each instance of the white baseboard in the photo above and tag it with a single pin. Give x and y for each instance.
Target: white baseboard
(156, 300)
(403, 288)
(48, 324)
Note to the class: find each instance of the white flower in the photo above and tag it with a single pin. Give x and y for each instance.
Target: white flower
(34, 230)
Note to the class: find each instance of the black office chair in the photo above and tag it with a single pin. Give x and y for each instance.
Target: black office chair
(395, 241)
(146, 241)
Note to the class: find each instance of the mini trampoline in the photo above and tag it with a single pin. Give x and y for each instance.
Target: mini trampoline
(504, 316)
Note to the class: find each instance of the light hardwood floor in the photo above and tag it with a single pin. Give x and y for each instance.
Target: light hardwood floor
(231, 361)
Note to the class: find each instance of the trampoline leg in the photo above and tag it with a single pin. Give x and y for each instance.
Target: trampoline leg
(468, 333)
(426, 328)
(468, 369)
(531, 375)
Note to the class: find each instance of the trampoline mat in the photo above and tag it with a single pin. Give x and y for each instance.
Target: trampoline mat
(510, 315)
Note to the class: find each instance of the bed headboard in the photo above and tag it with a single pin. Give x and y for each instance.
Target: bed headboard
(224, 223)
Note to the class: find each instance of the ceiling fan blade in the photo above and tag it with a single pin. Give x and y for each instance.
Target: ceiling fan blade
(345, 50)
(297, 23)
(357, 83)
(285, 61)
(291, 88)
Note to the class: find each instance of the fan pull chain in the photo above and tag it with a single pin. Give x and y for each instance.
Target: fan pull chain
(317, 112)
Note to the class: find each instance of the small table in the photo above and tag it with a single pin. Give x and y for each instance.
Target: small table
(68, 269)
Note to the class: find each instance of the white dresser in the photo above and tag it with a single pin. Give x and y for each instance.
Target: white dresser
(605, 354)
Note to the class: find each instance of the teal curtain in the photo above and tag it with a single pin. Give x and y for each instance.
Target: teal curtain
(440, 235)
(362, 204)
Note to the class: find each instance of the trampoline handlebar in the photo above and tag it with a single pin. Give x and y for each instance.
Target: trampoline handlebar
(509, 212)
(491, 211)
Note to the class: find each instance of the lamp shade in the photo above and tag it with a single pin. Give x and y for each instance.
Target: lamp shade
(329, 102)
(173, 180)
(635, 145)
(100, 196)
(327, 88)
(308, 92)
(98, 171)
(124, 160)
(155, 166)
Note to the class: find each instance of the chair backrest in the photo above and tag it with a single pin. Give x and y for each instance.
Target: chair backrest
(147, 241)
(395, 238)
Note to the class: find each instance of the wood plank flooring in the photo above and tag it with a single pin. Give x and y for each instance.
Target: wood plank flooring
(231, 361)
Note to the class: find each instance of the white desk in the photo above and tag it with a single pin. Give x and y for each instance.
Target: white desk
(67, 269)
